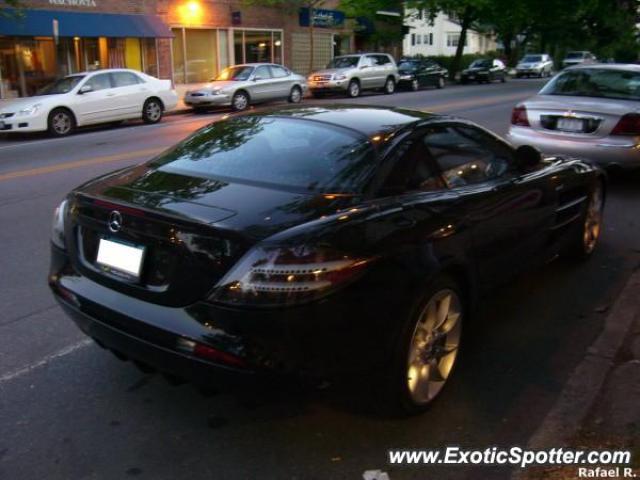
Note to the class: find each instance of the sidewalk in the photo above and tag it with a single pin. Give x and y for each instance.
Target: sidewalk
(599, 408)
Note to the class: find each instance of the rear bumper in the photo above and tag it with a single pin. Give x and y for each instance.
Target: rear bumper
(344, 335)
(622, 152)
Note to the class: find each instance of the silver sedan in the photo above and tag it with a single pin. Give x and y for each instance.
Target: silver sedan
(242, 85)
(590, 111)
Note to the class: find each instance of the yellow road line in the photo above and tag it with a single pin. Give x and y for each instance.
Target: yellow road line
(148, 152)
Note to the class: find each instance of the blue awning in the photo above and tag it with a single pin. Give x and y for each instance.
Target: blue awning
(33, 23)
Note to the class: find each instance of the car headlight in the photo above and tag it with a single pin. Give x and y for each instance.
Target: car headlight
(57, 225)
(340, 76)
(406, 77)
(280, 276)
(29, 110)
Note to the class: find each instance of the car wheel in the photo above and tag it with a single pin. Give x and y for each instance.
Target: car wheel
(353, 90)
(240, 101)
(427, 347)
(415, 85)
(61, 122)
(390, 86)
(152, 111)
(440, 83)
(296, 95)
(586, 242)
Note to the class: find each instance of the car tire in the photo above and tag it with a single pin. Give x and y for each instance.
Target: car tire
(428, 339)
(61, 122)
(415, 85)
(389, 86)
(586, 240)
(240, 101)
(441, 83)
(152, 111)
(353, 90)
(296, 95)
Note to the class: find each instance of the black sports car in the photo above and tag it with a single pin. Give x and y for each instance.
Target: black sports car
(417, 73)
(327, 242)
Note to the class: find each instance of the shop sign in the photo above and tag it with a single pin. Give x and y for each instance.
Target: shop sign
(74, 3)
(322, 18)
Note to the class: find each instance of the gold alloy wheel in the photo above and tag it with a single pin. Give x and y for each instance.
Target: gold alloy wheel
(593, 221)
(434, 346)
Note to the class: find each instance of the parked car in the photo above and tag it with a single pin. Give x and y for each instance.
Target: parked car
(328, 242)
(88, 98)
(578, 58)
(538, 64)
(243, 85)
(351, 74)
(484, 71)
(417, 73)
(590, 111)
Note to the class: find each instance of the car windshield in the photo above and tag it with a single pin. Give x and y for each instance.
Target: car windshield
(575, 55)
(481, 64)
(344, 62)
(64, 85)
(408, 65)
(532, 59)
(235, 73)
(294, 154)
(596, 82)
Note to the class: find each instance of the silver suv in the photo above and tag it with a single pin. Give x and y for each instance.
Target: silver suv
(351, 74)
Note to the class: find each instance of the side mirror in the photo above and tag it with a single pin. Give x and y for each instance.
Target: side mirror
(256, 78)
(85, 89)
(528, 157)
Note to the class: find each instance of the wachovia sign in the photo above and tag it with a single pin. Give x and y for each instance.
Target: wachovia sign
(74, 3)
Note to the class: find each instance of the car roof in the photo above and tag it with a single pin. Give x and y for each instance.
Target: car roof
(368, 120)
(104, 70)
(608, 66)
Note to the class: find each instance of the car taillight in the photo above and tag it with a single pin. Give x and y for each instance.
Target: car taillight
(629, 124)
(287, 275)
(519, 116)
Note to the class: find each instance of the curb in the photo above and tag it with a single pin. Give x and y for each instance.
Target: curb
(585, 383)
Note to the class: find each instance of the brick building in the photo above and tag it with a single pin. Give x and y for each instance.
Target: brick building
(189, 41)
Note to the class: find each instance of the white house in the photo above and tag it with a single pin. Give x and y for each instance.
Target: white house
(441, 36)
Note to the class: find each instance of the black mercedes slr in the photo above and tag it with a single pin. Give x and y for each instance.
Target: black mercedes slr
(342, 242)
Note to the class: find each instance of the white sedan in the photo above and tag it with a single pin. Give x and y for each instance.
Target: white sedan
(89, 98)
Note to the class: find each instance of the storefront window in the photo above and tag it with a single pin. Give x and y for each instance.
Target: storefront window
(257, 46)
(238, 46)
(277, 47)
(150, 56)
(178, 56)
(92, 54)
(202, 56)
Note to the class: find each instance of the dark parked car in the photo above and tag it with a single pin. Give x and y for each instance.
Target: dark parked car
(332, 242)
(415, 74)
(484, 71)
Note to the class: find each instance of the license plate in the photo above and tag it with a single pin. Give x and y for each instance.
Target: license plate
(120, 257)
(570, 125)
(472, 77)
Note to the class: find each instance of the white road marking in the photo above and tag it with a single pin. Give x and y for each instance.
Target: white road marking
(48, 359)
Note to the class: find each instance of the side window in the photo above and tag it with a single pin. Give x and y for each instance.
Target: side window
(125, 79)
(278, 72)
(367, 61)
(373, 60)
(382, 59)
(467, 156)
(263, 72)
(412, 170)
(99, 82)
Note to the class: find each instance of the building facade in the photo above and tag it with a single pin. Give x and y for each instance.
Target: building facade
(441, 36)
(188, 41)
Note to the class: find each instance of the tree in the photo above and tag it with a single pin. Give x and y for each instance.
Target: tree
(389, 31)
(296, 5)
(468, 13)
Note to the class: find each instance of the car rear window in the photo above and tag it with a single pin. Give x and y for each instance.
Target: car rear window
(295, 154)
(596, 82)
(532, 58)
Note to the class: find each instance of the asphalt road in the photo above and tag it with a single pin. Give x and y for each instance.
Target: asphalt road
(69, 410)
